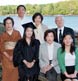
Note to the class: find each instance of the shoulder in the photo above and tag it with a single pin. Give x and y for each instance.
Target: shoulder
(20, 41)
(44, 26)
(76, 49)
(15, 31)
(43, 45)
(68, 28)
(59, 50)
(3, 34)
(15, 18)
(36, 41)
(57, 44)
(54, 29)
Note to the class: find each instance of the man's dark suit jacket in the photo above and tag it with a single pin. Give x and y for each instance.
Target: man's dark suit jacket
(66, 30)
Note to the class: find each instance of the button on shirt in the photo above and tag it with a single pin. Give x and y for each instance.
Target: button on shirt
(58, 31)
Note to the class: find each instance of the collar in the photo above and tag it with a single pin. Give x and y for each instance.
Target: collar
(62, 28)
(10, 32)
(20, 18)
(50, 44)
(37, 27)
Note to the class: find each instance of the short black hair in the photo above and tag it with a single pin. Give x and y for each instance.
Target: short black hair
(21, 6)
(37, 14)
(8, 18)
(47, 32)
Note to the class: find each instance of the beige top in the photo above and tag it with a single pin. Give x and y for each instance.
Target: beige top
(39, 32)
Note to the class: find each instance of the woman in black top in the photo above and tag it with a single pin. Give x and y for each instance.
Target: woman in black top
(26, 55)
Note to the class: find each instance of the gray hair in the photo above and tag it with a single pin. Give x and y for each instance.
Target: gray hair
(56, 16)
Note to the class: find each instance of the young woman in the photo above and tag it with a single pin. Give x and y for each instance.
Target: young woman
(26, 55)
(68, 59)
(40, 28)
(7, 43)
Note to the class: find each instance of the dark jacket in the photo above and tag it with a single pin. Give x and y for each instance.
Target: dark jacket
(29, 53)
(66, 30)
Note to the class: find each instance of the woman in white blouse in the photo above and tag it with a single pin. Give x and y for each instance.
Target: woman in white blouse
(68, 59)
(40, 28)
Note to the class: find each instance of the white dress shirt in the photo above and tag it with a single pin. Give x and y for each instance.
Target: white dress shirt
(18, 22)
(39, 33)
(58, 31)
(70, 59)
(50, 51)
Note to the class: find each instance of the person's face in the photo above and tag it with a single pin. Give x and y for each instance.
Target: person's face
(50, 38)
(38, 20)
(68, 40)
(59, 21)
(29, 32)
(8, 25)
(21, 12)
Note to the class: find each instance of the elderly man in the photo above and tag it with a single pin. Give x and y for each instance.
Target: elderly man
(61, 30)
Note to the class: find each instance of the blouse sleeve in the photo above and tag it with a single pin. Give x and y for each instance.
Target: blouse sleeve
(61, 61)
(76, 67)
(2, 48)
(17, 54)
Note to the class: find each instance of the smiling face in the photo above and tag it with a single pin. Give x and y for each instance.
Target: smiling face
(38, 20)
(29, 32)
(21, 11)
(8, 25)
(59, 21)
(50, 38)
(67, 40)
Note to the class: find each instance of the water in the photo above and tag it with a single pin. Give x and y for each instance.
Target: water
(69, 21)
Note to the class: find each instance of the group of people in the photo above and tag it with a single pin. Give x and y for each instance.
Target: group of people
(29, 49)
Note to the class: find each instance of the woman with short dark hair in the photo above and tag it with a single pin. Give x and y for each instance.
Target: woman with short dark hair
(68, 59)
(8, 18)
(8, 41)
(40, 28)
(26, 55)
(48, 57)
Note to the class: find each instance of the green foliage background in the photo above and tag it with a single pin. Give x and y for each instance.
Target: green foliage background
(66, 8)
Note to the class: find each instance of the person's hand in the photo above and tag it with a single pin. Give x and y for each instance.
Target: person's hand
(44, 70)
(10, 58)
(48, 67)
(30, 64)
(73, 75)
(25, 62)
(67, 75)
